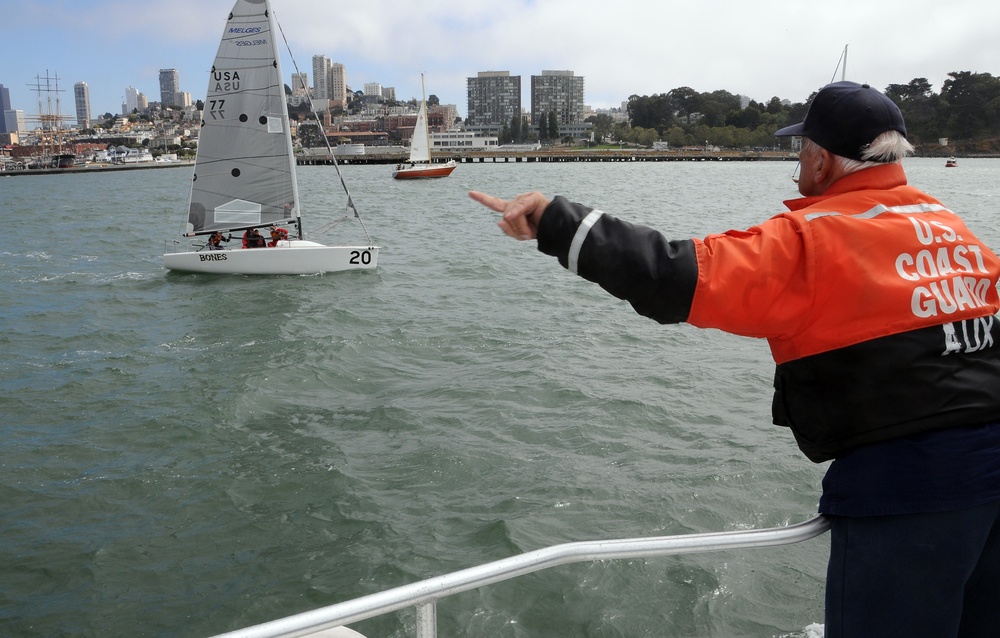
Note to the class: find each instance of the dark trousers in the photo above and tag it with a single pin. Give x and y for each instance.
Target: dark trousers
(931, 575)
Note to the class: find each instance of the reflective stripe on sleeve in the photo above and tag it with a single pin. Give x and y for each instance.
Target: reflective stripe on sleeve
(580, 236)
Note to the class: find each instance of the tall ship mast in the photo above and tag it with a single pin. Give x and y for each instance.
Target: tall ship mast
(49, 119)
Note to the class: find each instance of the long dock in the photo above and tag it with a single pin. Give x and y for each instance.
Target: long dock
(574, 155)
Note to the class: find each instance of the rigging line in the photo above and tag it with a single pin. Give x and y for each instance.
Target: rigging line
(319, 124)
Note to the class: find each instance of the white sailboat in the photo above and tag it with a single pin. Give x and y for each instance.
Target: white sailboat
(420, 165)
(244, 174)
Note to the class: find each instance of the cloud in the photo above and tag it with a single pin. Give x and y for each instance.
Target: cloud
(760, 49)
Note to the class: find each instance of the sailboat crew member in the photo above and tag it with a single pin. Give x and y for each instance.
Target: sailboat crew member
(277, 234)
(215, 240)
(253, 239)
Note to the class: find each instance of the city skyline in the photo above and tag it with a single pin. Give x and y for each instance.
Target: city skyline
(761, 50)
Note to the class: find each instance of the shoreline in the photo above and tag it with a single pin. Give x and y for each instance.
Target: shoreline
(481, 157)
(97, 168)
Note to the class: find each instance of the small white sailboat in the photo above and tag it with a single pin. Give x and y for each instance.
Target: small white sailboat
(244, 173)
(420, 165)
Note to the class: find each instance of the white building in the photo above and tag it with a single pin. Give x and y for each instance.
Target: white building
(131, 103)
(457, 140)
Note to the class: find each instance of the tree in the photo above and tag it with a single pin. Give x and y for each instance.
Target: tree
(656, 111)
(553, 126)
(645, 137)
(310, 136)
(918, 89)
(921, 108)
(516, 134)
(686, 99)
(676, 137)
(621, 131)
(602, 124)
(972, 100)
(748, 118)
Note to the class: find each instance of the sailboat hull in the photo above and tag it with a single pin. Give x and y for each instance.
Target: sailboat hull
(422, 171)
(295, 257)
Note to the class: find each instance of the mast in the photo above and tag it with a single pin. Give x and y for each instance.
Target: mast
(50, 120)
(841, 66)
(272, 28)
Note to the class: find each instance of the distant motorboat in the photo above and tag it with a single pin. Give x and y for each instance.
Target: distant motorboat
(951, 163)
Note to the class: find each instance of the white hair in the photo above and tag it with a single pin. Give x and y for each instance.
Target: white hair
(888, 148)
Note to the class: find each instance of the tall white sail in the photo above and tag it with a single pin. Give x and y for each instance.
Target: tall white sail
(244, 171)
(420, 144)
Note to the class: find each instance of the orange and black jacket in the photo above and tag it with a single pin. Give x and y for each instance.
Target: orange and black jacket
(878, 303)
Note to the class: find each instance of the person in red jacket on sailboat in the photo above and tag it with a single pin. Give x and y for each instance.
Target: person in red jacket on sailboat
(277, 234)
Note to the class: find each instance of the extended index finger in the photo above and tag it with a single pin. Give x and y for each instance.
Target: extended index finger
(497, 204)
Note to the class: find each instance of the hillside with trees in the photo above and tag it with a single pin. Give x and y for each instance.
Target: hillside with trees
(966, 112)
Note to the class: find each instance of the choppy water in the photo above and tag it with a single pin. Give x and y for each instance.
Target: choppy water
(187, 454)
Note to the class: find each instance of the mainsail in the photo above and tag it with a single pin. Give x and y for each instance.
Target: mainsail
(244, 171)
(420, 150)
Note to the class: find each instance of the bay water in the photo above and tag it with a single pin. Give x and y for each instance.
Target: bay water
(184, 455)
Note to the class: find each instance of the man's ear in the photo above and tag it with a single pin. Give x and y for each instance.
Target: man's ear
(827, 169)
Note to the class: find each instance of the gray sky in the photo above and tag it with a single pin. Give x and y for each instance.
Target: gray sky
(761, 49)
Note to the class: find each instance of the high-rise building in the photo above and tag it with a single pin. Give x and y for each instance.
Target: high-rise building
(494, 99)
(560, 92)
(4, 107)
(14, 121)
(131, 104)
(321, 77)
(81, 97)
(338, 85)
(170, 86)
(373, 88)
(329, 81)
(300, 84)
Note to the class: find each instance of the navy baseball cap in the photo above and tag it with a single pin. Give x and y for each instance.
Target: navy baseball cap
(845, 117)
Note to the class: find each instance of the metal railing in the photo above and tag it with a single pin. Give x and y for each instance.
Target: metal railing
(424, 594)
